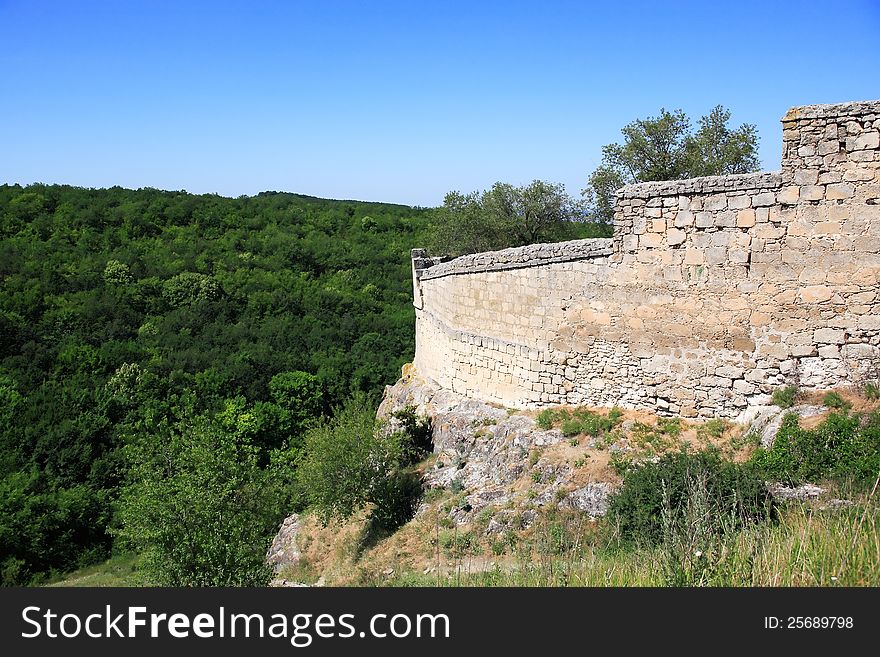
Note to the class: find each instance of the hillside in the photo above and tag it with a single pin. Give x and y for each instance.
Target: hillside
(124, 311)
(520, 498)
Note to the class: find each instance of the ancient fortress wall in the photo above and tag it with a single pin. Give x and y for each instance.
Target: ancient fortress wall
(712, 292)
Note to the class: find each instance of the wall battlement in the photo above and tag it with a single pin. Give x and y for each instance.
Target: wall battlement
(713, 291)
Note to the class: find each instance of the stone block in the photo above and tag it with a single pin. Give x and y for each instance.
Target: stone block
(828, 147)
(729, 372)
(716, 202)
(803, 350)
(684, 218)
(807, 150)
(816, 293)
(716, 255)
(767, 232)
(858, 351)
(694, 257)
(705, 219)
(789, 195)
(864, 141)
(744, 387)
(858, 174)
(721, 238)
(745, 218)
(759, 318)
(812, 193)
(827, 228)
(674, 237)
(738, 256)
(739, 202)
(840, 191)
(763, 199)
(725, 219)
(806, 176)
(650, 240)
(829, 336)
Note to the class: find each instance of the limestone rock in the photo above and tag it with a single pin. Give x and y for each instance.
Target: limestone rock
(591, 499)
(482, 450)
(283, 552)
(801, 493)
(765, 421)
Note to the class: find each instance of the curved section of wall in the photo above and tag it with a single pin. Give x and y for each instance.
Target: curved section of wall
(713, 291)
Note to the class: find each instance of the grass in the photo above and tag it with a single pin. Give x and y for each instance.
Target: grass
(120, 570)
(714, 428)
(807, 547)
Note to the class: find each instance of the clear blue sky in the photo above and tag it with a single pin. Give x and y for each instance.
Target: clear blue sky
(396, 101)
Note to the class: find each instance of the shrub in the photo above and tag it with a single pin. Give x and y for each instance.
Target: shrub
(349, 463)
(615, 415)
(846, 446)
(582, 420)
(871, 390)
(698, 540)
(416, 434)
(660, 490)
(651, 437)
(396, 498)
(300, 395)
(571, 427)
(545, 419)
(199, 509)
(751, 438)
(834, 400)
(671, 426)
(620, 462)
(785, 397)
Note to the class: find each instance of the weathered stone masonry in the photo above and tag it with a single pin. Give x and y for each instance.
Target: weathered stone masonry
(712, 292)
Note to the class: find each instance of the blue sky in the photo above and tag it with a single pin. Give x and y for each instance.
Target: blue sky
(396, 101)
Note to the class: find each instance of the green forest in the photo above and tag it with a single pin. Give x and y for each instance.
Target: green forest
(130, 318)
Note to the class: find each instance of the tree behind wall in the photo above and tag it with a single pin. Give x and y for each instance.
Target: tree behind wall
(506, 216)
(666, 148)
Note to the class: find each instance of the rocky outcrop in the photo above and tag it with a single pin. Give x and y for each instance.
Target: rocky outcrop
(491, 454)
(766, 420)
(284, 552)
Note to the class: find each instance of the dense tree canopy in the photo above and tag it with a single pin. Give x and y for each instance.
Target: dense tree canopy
(130, 317)
(666, 147)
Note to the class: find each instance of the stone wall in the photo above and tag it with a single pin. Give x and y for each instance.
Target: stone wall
(712, 293)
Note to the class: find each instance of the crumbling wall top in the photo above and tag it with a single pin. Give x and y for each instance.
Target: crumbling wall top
(532, 255)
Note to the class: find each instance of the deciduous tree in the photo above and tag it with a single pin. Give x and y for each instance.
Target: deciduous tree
(666, 148)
